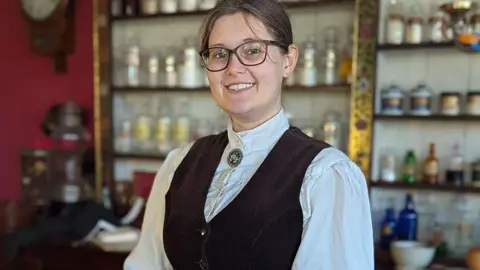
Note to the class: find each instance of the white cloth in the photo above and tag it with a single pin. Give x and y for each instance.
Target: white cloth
(337, 224)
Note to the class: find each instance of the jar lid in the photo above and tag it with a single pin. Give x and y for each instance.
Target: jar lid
(473, 93)
(450, 93)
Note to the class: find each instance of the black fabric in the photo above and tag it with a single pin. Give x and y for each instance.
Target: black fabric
(260, 229)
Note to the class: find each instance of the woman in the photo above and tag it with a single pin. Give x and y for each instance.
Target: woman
(261, 195)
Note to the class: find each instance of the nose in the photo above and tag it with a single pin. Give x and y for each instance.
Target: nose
(234, 65)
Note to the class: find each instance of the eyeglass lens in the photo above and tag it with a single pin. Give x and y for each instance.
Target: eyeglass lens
(249, 54)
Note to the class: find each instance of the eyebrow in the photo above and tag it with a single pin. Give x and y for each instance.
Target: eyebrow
(223, 45)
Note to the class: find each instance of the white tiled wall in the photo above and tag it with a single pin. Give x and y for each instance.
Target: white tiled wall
(165, 32)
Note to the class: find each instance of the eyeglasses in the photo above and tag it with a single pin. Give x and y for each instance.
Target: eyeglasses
(251, 53)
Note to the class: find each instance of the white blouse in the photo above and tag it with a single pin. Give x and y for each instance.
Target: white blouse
(337, 224)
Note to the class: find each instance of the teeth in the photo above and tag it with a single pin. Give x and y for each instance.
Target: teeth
(240, 86)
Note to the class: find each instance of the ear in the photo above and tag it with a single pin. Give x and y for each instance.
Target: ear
(290, 60)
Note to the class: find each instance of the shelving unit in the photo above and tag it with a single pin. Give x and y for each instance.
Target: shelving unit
(341, 88)
(291, 5)
(421, 46)
(425, 186)
(306, 104)
(443, 68)
(435, 117)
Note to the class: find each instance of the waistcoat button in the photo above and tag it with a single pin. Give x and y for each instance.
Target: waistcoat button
(202, 264)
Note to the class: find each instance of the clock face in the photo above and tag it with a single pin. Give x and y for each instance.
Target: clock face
(39, 9)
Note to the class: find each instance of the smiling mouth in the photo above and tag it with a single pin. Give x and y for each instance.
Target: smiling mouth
(239, 87)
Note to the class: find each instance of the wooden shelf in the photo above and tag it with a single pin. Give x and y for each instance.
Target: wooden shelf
(428, 117)
(293, 5)
(425, 186)
(140, 156)
(426, 45)
(340, 88)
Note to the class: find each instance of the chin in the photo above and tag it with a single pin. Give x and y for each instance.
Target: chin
(238, 109)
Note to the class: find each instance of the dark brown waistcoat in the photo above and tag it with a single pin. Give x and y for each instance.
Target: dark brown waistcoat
(260, 229)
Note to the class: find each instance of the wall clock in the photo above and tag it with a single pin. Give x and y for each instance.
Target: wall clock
(50, 25)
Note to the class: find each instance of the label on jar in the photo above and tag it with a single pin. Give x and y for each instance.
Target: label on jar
(473, 105)
(421, 105)
(392, 105)
(450, 105)
(142, 129)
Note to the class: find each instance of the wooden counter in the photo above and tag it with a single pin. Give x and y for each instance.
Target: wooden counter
(63, 257)
(57, 256)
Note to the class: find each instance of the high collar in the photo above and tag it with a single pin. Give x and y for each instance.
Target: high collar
(261, 137)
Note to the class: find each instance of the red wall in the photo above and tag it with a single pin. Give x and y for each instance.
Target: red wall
(28, 86)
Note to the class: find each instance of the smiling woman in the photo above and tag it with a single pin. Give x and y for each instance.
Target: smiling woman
(261, 195)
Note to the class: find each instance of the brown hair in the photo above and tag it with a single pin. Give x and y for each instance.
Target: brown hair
(270, 12)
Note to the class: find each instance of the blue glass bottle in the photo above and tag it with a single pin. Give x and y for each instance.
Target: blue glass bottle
(407, 220)
(388, 232)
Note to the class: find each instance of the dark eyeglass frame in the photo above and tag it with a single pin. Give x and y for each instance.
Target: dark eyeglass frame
(234, 51)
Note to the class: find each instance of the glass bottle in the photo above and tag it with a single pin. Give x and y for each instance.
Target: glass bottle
(347, 59)
(143, 129)
(407, 220)
(154, 68)
(329, 70)
(132, 60)
(395, 23)
(163, 130)
(455, 170)
(182, 126)
(388, 228)
(308, 69)
(430, 166)
(331, 129)
(409, 167)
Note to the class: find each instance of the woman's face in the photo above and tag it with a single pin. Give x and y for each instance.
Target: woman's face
(248, 92)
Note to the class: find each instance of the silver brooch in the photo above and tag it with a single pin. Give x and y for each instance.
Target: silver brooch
(235, 157)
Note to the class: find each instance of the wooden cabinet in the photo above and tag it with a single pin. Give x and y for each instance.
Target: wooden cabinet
(63, 257)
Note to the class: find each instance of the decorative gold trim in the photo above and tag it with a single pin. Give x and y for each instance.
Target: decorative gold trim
(96, 101)
(363, 84)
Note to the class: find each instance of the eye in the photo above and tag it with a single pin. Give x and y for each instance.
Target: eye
(218, 54)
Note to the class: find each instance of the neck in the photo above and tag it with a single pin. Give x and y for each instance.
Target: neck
(242, 124)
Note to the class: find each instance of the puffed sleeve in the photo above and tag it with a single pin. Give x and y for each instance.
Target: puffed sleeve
(149, 253)
(338, 233)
